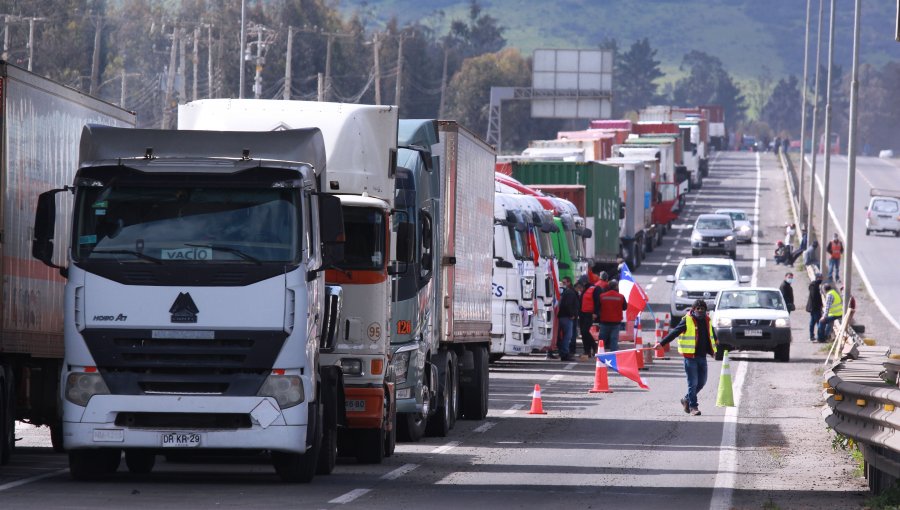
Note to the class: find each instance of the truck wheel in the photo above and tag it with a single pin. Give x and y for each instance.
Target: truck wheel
(475, 394)
(411, 426)
(7, 417)
(439, 422)
(783, 353)
(868, 232)
(495, 357)
(92, 464)
(390, 439)
(649, 245)
(139, 462)
(328, 455)
(454, 387)
(56, 436)
(301, 467)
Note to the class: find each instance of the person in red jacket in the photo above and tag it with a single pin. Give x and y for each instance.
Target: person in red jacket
(609, 310)
(588, 315)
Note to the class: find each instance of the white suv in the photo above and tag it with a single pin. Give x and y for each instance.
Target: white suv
(883, 212)
(701, 278)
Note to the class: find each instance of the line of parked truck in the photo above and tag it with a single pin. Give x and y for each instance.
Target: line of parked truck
(310, 279)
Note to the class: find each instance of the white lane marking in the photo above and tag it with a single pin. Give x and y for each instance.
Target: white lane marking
(570, 366)
(484, 427)
(668, 257)
(653, 280)
(350, 496)
(406, 468)
(664, 264)
(723, 489)
(514, 408)
(446, 448)
(756, 224)
(856, 263)
(24, 481)
(659, 272)
(762, 262)
(671, 249)
(555, 378)
(649, 286)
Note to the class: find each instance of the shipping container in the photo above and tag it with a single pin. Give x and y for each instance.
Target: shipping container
(605, 137)
(623, 124)
(602, 203)
(655, 128)
(571, 192)
(595, 149)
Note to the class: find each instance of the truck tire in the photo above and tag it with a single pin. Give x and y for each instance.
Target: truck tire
(140, 462)
(328, 454)
(783, 353)
(648, 246)
(301, 467)
(439, 422)
(56, 436)
(390, 438)
(495, 357)
(7, 416)
(93, 464)
(476, 388)
(369, 445)
(410, 427)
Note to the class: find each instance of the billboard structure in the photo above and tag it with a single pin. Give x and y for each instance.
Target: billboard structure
(572, 84)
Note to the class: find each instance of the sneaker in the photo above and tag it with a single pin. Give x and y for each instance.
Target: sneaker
(565, 357)
(813, 339)
(684, 403)
(550, 355)
(695, 411)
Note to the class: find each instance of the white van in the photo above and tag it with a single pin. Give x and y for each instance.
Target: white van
(883, 212)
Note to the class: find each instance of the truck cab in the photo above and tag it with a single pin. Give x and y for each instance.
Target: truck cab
(513, 280)
(541, 227)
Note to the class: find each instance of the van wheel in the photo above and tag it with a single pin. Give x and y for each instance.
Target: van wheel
(7, 418)
(139, 462)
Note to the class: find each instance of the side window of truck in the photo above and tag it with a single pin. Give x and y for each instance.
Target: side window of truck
(308, 239)
(427, 243)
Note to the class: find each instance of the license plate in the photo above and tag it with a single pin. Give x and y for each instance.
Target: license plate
(753, 332)
(715, 245)
(355, 406)
(180, 439)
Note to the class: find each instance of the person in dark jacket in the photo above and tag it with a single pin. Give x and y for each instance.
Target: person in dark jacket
(609, 311)
(787, 291)
(696, 340)
(814, 305)
(568, 314)
(588, 316)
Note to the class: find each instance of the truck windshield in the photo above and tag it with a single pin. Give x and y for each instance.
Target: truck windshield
(546, 245)
(365, 231)
(517, 241)
(202, 224)
(574, 251)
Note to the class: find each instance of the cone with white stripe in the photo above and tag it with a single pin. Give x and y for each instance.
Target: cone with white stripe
(537, 406)
(725, 398)
(639, 346)
(646, 354)
(601, 376)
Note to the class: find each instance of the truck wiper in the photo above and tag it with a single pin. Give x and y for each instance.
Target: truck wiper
(227, 249)
(137, 254)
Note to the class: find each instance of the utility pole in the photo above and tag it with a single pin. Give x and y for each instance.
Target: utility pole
(803, 87)
(287, 64)
(320, 85)
(443, 82)
(825, 185)
(31, 40)
(5, 55)
(243, 49)
(399, 72)
(851, 160)
(182, 72)
(812, 176)
(122, 93)
(196, 60)
(257, 79)
(95, 60)
(376, 59)
(209, 62)
(170, 78)
(328, 66)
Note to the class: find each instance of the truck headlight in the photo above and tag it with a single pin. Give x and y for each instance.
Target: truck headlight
(782, 323)
(400, 365)
(723, 322)
(696, 236)
(351, 366)
(287, 390)
(515, 319)
(81, 386)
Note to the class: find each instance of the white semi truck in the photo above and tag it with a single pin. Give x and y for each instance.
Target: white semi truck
(361, 155)
(40, 126)
(195, 304)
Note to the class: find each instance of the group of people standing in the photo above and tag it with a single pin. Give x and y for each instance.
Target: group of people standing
(594, 299)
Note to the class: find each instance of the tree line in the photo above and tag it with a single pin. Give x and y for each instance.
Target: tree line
(151, 56)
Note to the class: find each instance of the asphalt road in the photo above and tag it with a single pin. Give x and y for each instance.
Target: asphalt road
(873, 254)
(631, 449)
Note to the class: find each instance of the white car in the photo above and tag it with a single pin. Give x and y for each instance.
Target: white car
(701, 278)
(743, 230)
(883, 212)
(752, 318)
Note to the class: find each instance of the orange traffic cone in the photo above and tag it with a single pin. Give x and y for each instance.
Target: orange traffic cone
(660, 352)
(646, 354)
(639, 347)
(601, 377)
(537, 407)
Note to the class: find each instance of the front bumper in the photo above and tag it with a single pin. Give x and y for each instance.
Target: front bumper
(258, 423)
(714, 247)
(736, 337)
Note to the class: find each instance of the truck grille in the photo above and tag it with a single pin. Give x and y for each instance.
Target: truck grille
(189, 421)
(709, 295)
(747, 323)
(231, 363)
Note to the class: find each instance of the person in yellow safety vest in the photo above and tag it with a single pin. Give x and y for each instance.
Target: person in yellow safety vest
(834, 310)
(696, 340)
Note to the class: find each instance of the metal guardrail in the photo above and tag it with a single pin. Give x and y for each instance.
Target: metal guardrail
(864, 406)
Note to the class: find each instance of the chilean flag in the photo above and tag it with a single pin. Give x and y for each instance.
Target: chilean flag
(625, 363)
(634, 294)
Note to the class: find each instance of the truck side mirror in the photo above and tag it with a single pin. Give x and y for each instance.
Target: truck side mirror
(331, 321)
(502, 263)
(331, 230)
(587, 233)
(427, 242)
(406, 237)
(45, 228)
(621, 210)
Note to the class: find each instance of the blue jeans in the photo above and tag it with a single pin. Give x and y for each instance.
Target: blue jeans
(609, 334)
(567, 325)
(813, 320)
(834, 266)
(695, 368)
(825, 327)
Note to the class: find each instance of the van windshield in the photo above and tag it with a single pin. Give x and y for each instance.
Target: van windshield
(885, 206)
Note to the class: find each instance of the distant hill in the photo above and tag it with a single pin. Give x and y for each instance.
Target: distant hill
(747, 35)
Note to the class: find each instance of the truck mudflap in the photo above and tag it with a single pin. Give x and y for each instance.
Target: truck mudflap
(332, 391)
(364, 407)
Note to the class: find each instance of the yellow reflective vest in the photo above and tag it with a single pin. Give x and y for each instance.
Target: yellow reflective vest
(837, 304)
(687, 342)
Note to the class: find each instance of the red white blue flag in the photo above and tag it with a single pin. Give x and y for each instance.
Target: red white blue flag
(635, 296)
(625, 363)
